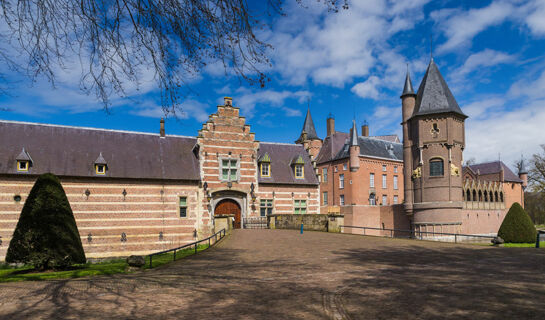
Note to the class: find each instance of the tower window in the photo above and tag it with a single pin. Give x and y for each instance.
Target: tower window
(436, 167)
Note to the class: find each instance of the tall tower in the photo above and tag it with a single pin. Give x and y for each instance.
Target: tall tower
(436, 140)
(523, 173)
(408, 100)
(308, 138)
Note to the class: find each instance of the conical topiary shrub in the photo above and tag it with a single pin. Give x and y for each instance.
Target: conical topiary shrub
(46, 235)
(517, 227)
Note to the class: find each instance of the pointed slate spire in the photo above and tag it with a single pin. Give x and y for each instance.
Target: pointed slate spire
(408, 88)
(354, 134)
(522, 169)
(100, 159)
(24, 156)
(308, 127)
(434, 96)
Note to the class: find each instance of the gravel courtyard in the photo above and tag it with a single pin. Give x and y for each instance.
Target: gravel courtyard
(281, 274)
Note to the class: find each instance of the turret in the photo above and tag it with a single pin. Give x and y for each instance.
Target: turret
(308, 138)
(523, 173)
(408, 100)
(354, 148)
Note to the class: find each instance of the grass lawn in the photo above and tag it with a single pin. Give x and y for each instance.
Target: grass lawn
(12, 274)
(525, 245)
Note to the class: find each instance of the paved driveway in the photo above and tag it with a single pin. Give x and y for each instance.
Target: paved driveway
(280, 274)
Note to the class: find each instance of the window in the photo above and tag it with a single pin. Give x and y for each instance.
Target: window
(266, 207)
(345, 166)
(372, 180)
(436, 167)
(396, 200)
(300, 206)
(395, 182)
(384, 168)
(342, 200)
(384, 199)
(335, 168)
(395, 169)
(372, 200)
(100, 169)
(384, 185)
(183, 207)
(229, 170)
(324, 173)
(299, 173)
(22, 165)
(341, 181)
(265, 169)
(324, 199)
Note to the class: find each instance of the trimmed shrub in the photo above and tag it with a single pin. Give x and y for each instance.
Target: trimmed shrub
(46, 235)
(517, 227)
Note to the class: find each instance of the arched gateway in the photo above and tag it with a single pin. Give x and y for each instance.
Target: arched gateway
(229, 206)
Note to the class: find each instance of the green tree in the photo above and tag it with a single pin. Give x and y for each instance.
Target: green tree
(534, 204)
(46, 235)
(536, 174)
(517, 227)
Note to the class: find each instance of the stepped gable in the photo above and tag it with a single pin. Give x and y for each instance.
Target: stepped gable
(72, 151)
(282, 171)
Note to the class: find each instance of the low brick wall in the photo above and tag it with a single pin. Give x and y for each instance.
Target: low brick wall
(312, 222)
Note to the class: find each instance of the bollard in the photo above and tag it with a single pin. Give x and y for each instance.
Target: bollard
(301, 228)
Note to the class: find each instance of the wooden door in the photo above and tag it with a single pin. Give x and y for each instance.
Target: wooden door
(229, 206)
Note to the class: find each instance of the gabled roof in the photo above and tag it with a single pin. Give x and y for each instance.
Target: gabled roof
(264, 158)
(331, 146)
(72, 151)
(282, 172)
(308, 127)
(434, 95)
(100, 159)
(24, 156)
(493, 168)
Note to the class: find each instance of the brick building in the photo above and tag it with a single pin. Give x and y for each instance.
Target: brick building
(135, 193)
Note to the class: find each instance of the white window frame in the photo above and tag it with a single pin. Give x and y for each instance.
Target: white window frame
(345, 166)
(324, 174)
(371, 180)
(341, 199)
(396, 183)
(221, 159)
(267, 205)
(300, 167)
(384, 181)
(395, 169)
(384, 200)
(383, 168)
(396, 199)
(341, 181)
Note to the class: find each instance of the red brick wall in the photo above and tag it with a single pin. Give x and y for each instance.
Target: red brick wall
(284, 195)
(106, 214)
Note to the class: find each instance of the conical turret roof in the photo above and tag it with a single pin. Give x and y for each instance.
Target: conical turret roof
(434, 95)
(522, 169)
(408, 87)
(309, 128)
(354, 134)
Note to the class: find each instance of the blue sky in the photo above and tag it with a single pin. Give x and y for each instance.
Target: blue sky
(492, 55)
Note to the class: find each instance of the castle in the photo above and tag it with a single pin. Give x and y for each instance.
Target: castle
(135, 193)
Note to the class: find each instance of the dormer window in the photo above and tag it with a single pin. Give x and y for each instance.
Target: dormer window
(24, 161)
(100, 165)
(22, 165)
(100, 169)
(298, 167)
(265, 165)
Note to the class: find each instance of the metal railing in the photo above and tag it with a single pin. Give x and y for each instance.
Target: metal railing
(422, 235)
(256, 223)
(221, 234)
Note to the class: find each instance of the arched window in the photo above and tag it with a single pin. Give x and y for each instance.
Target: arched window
(468, 195)
(474, 198)
(436, 167)
(501, 196)
(485, 196)
(491, 197)
(496, 196)
(480, 195)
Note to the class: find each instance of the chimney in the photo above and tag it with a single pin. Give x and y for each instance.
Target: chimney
(162, 128)
(365, 129)
(330, 125)
(228, 101)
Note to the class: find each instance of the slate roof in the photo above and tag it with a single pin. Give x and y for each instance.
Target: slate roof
(72, 151)
(354, 134)
(282, 155)
(434, 96)
(308, 127)
(408, 87)
(336, 147)
(389, 137)
(494, 167)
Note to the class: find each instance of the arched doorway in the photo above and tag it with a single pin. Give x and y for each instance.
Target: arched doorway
(229, 206)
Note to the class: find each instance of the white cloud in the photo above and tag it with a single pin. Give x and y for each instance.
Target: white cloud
(247, 100)
(530, 88)
(535, 18)
(485, 58)
(189, 109)
(461, 26)
(368, 88)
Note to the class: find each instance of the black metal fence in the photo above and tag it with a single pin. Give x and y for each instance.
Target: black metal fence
(256, 223)
(421, 235)
(195, 244)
